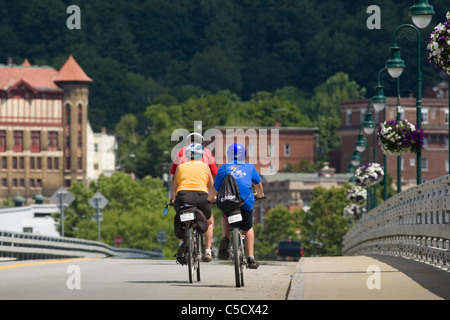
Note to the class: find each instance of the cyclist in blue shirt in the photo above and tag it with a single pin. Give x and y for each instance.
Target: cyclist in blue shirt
(245, 175)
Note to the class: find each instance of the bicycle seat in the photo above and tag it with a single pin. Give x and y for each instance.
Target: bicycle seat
(186, 206)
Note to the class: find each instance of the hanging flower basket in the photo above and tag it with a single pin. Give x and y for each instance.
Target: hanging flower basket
(353, 211)
(357, 195)
(439, 45)
(369, 174)
(397, 137)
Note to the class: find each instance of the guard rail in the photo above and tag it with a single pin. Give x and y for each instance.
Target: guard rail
(413, 224)
(26, 246)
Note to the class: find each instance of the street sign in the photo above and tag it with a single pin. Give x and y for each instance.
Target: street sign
(62, 197)
(98, 217)
(118, 240)
(98, 201)
(162, 237)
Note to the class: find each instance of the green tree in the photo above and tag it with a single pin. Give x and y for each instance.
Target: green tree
(134, 212)
(280, 224)
(323, 226)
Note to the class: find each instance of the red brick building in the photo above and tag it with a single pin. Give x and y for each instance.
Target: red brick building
(435, 125)
(270, 149)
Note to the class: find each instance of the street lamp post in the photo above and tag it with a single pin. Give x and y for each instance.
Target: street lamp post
(369, 127)
(421, 14)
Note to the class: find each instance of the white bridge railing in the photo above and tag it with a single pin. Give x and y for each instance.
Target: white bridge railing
(25, 246)
(414, 224)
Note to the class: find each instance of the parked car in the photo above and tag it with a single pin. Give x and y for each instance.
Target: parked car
(289, 250)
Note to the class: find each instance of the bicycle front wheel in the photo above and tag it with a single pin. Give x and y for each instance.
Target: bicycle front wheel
(237, 258)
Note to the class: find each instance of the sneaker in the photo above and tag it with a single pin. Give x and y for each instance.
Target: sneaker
(207, 257)
(181, 259)
(252, 263)
(224, 253)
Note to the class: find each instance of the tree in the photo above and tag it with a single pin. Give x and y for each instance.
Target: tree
(324, 226)
(280, 224)
(134, 212)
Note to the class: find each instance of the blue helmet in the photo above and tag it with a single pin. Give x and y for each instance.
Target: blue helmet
(236, 151)
(194, 151)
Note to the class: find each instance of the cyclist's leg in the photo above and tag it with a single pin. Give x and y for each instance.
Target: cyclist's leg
(200, 199)
(224, 253)
(247, 230)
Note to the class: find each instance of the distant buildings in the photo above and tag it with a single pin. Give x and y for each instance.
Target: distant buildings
(45, 138)
(435, 125)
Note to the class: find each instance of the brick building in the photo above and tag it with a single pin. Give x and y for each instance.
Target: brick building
(270, 149)
(43, 125)
(435, 125)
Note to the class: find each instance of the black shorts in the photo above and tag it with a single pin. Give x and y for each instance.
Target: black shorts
(195, 198)
(247, 220)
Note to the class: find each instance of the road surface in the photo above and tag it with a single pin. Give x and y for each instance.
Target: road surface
(111, 279)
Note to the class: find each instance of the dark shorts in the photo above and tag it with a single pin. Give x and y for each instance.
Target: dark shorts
(247, 220)
(196, 198)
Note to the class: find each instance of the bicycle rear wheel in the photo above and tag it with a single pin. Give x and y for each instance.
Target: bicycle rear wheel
(190, 253)
(198, 253)
(238, 258)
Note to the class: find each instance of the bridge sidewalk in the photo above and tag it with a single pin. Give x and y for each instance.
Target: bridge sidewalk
(368, 278)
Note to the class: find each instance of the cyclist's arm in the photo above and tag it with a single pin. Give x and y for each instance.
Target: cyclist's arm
(174, 185)
(259, 190)
(210, 178)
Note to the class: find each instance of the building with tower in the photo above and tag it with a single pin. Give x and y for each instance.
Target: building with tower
(43, 128)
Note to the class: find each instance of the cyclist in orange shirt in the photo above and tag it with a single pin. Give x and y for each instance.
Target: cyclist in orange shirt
(193, 180)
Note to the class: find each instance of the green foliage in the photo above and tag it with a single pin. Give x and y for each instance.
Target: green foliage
(323, 226)
(134, 212)
(138, 50)
(280, 224)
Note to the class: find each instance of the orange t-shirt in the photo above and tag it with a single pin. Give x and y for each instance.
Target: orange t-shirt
(193, 176)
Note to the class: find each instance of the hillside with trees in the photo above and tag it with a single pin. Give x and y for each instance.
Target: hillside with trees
(142, 53)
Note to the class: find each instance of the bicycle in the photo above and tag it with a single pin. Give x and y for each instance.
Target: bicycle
(237, 250)
(193, 240)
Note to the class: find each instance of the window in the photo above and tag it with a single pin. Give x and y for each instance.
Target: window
(348, 117)
(424, 164)
(52, 141)
(4, 164)
(362, 115)
(21, 163)
(446, 116)
(446, 165)
(412, 162)
(35, 141)
(68, 114)
(18, 141)
(425, 143)
(425, 115)
(14, 162)
(56, 163)
(2, 140)
(271, 150)
(287, 150)
(4, 183)
(377, 117)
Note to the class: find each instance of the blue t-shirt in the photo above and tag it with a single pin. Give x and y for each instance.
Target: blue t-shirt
(245, 174)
